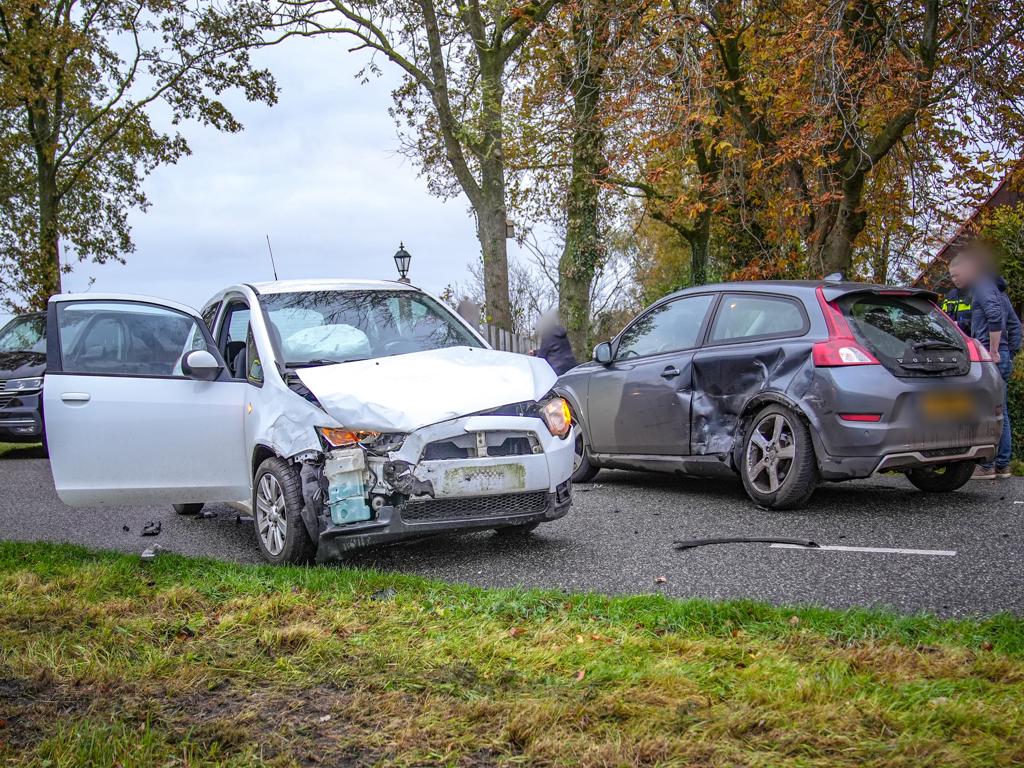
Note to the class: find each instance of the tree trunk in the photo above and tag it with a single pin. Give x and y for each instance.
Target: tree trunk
(47, 268)
(836, 252)
(492, 213)
(491, 217)
(700, 242)
(583, 252)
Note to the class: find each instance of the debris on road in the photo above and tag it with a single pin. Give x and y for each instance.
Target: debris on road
(205, 514)
(150, 553)
(660, 580)
(691, 543)
(152, 528)
(243, 519)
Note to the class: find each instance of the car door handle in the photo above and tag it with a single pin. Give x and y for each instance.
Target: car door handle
(670, 372)
(75, 397)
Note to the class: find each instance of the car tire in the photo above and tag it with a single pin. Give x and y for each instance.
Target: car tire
(511, 531)
(188, 509)
(777, 464)
(582, 470)
(941, 478)
(277, 514)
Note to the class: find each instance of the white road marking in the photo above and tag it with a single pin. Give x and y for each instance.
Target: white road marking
(880, 550)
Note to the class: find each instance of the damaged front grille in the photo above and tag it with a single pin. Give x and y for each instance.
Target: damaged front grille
(476, 507)
(452, 449)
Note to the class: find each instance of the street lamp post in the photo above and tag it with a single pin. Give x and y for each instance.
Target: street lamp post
(402, 259)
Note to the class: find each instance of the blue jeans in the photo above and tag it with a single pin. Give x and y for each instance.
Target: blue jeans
(1005, 440)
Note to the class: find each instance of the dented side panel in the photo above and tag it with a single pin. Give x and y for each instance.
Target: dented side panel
(727, 379)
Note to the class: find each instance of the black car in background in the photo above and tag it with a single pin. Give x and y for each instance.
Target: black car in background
(22, 364)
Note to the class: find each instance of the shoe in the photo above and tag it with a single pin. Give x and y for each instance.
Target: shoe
(1004, 472)
(981, 473)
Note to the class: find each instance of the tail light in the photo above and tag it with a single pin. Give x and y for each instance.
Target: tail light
(841, 348)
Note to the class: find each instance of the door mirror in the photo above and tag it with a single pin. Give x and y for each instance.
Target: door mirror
(603, 353)
(200, 365)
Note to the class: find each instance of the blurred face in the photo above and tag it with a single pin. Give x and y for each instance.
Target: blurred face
(962, 272)
(956, 274)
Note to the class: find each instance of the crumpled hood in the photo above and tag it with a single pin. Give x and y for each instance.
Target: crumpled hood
(405, 392)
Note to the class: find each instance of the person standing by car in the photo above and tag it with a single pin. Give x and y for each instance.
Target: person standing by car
(995, 325)
(957, 303)
(554, 344)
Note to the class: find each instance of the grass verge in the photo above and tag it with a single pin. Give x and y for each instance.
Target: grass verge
(106, 661)
(21, 450)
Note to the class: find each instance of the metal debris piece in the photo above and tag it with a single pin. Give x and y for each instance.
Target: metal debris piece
(384, 594)
(150, 552)
(205, 514)
(125, 528)
(243, 519)
(152, 528)
(691, 543)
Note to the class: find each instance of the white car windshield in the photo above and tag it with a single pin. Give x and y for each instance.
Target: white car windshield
(322, 327)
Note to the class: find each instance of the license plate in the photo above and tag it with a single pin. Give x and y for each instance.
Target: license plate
(948, 406)
(490, 479)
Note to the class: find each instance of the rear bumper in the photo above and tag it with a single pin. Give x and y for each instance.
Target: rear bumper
(902, 438)
(853, 467)
(409, 521)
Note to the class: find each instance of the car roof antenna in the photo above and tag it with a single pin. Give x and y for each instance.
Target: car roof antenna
(272, 265)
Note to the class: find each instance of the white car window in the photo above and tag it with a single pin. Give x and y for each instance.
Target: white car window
(125, 338)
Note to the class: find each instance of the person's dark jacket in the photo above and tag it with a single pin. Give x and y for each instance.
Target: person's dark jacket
(989, 312)
(1013, 327)
(555, 348)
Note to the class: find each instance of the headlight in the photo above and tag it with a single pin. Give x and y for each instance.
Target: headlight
(555, 413)
(24, 385)
(337, 437)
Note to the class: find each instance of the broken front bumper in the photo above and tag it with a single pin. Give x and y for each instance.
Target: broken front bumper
(470, 473)
(462, 515)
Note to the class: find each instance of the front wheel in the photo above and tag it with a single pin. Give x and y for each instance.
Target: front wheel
(941, 478)
(277, 514)
(582, 470)
(778, 467)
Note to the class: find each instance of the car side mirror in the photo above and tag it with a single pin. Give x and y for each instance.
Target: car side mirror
(200, 365)
(603, 353)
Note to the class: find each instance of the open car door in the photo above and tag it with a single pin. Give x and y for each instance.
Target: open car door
(138, 406)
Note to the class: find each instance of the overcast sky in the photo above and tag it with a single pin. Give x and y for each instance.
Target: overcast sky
(319, 172)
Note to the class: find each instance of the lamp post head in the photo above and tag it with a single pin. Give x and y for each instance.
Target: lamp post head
(402, 259)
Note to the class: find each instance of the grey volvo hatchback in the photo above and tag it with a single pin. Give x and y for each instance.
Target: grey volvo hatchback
(788, 384)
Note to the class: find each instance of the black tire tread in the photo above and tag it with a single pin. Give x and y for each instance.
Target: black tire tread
(956, 476)
(299, 548)
(802, 480)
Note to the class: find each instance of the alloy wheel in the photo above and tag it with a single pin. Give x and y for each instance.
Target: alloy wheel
(770, 453)
(578, 449)
(271, 514)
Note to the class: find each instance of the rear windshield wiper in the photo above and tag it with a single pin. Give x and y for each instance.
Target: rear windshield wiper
(919, 345)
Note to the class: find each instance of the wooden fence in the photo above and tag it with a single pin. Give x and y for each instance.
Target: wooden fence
(506, 341)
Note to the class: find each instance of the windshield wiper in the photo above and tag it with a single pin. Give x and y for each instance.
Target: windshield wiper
(321, 361)
(936, 345)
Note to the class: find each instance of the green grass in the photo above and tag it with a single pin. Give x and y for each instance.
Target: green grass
(184, 662)
(21, 450)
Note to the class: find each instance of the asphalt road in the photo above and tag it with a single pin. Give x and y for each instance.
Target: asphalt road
(618, 539)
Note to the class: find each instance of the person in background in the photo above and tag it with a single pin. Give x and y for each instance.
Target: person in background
(554, 343)
(957, 303)
(995, 325)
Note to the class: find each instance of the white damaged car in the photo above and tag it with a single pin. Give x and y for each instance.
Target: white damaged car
(341, 413)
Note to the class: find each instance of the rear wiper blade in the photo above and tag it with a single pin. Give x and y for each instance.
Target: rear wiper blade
(937, 345)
